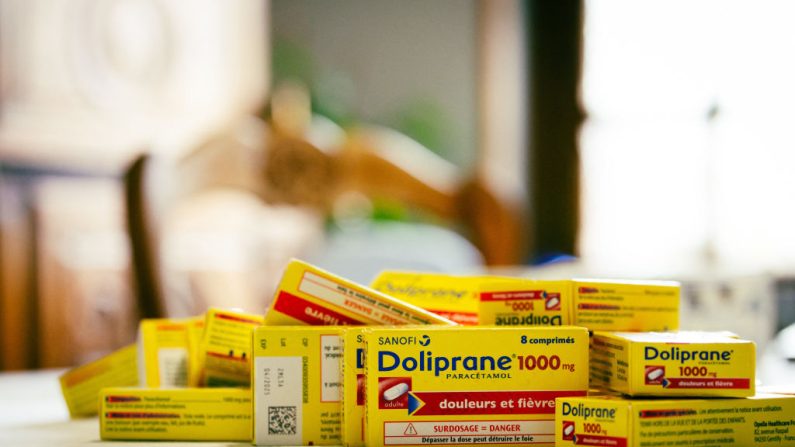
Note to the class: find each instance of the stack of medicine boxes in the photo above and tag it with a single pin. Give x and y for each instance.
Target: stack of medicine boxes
(421, 359)
(185, 379)
(651, 385)
(674, 389)
(407, 377)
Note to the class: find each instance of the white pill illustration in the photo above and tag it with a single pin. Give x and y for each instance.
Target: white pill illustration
(396, 391)
(568, 430)
(553, 302)
(655, 374)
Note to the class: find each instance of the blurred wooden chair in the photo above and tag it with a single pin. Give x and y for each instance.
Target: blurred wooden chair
(300, 161)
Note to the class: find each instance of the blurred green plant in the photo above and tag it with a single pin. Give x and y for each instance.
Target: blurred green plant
(334, 94)
(428, 123)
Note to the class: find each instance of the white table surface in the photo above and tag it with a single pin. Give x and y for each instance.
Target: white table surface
(33, 413)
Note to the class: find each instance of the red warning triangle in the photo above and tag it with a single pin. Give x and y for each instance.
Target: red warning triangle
(410, 430)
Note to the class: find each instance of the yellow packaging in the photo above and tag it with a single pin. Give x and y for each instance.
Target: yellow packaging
(526, 302)
(163, 352)
(451, 296)
(762, 420)
(297, 390)
(353, 387)
(186, 414)
(595, 304)
(673, 364)
(226, 348)
(195, 358)
(308, 295)
(80, 386)
(470, 385)
(633, 306)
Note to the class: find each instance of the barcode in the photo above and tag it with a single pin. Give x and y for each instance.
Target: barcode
(282, 420)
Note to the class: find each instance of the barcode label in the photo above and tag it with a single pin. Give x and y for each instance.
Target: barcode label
(173, 367)
(282, 420)
(278, 398)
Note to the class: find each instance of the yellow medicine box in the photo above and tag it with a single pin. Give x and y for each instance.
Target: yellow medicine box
(226, 348)
(81, 386)
(470, 385)
(308, 295)
(353, 387)
(673, 364)
(184, 414)
(451, 296)
(762, 420)
(296, 385)
(595, 304)
(163, 352)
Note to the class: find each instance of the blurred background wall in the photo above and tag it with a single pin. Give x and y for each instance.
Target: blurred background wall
(383, 62)
(569, 138)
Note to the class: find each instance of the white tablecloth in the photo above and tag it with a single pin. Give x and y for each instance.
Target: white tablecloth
(33, 413)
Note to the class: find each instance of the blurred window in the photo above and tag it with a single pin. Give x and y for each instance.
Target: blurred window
(86, 84)
(688, 144)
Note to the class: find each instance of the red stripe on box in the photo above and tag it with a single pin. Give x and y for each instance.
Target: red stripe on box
(309, 312)
(595, 306)
(611, 441)
(514, 295)
(489, 402)
(139, 415)
(237, 319)
(667, 413)
(465, 318)
(118, 399)
(709, 384)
